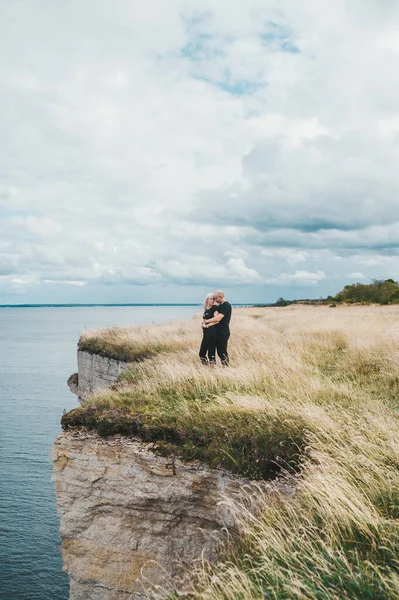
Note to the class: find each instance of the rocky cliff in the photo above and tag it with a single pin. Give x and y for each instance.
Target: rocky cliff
(95, 373)
(130, 517)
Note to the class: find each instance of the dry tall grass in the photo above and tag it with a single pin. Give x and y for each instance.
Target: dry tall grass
(313, 387)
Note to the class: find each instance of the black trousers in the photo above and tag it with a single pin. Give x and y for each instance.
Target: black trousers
(208, 345)
(221, 347)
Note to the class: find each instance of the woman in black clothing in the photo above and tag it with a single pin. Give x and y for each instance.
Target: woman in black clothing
(208, 344)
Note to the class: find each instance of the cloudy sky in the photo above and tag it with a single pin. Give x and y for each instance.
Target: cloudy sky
(152, 151)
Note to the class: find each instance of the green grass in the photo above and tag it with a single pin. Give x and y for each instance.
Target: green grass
(114, 343)
(189, 421)
(313, 390)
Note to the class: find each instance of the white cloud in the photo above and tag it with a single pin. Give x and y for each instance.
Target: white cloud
(200, 270)
(188, 142)
(356, 276)
(297, 278)
(290, 255)
(62, 281)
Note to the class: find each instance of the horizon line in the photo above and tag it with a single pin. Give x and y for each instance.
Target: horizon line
(93, 304)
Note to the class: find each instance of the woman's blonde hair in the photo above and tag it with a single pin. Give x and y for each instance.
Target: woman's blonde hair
(207, 297)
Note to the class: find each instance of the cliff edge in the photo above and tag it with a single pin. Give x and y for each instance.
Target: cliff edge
(95, 374)
(131, 519)
(152, 463)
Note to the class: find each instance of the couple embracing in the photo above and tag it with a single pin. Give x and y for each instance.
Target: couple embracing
(215, 328)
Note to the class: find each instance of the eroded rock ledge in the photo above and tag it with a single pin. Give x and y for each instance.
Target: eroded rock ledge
(129, 516)
(95, 373)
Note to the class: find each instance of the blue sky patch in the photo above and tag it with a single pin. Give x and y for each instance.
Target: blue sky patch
(199, 48)
(240, 87)
(279, 38)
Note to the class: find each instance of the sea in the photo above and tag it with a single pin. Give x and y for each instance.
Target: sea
(37, 354)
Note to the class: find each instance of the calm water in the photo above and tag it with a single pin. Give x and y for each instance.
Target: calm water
(37, 354)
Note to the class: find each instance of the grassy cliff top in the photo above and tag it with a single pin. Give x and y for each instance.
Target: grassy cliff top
(288, 367)
(134, 344)
(312, 388)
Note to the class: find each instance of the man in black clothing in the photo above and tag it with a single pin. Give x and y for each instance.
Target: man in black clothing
(222, 320)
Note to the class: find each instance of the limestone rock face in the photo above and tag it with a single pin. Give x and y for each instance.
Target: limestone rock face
(95, 373)
(129, 516)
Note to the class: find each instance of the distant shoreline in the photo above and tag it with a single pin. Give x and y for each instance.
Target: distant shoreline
(84, 305)
(104, 305)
